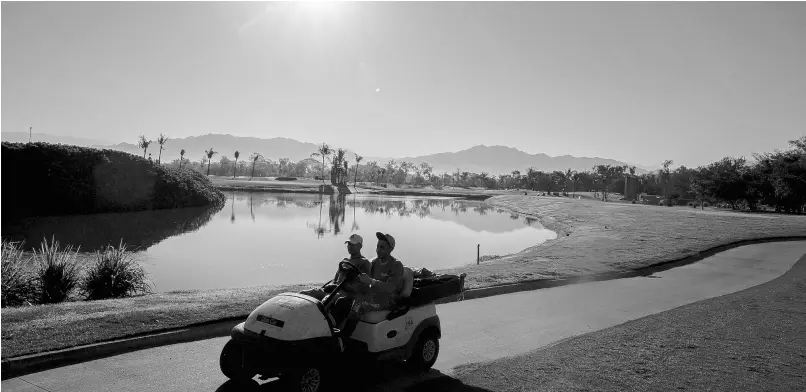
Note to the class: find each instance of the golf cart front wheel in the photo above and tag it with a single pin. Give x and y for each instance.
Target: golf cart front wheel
(425, 353)
(231, 363)
(306, 380)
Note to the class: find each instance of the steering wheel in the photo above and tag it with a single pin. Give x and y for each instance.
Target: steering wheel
(351, 270)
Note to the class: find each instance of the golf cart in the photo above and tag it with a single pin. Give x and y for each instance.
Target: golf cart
(293, 336)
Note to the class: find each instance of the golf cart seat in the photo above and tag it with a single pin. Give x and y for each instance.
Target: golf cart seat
(405, 292)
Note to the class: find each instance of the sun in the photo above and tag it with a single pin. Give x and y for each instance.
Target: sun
(319, 10)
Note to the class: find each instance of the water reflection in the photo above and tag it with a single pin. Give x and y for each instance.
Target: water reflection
(140, 230)
(386, 206)
(265, 238)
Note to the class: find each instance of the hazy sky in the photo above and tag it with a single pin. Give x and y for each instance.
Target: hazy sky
(638, 82)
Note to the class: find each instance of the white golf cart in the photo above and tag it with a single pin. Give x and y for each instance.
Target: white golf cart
(294, 337)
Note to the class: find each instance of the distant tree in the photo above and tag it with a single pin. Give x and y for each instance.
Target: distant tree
(161, 141)
(724, 180)
(516, 177)
(575, 177)
(358, 159)
(209, 154)
(372, 170)
(323, 151)
(181, 157)
(465, 176)
(338, 171)
(556, 177)
(426, 170)
(235, 166)
(282, 168)
(143, 143)
(605, 174)
(567, 177)
(779, 178)
(254, 158)
(666, 174)
(531, 178)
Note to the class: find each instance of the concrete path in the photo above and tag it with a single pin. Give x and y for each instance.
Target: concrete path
(475, 330)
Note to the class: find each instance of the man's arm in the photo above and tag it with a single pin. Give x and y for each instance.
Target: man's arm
(393, 282)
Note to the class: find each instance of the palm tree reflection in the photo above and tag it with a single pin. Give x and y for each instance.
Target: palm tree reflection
(232, 215)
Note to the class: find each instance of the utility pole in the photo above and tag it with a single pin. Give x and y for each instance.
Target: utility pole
(30, 129)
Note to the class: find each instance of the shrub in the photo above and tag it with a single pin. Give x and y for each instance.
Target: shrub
(18, 281)
(706, 204)
(58, 271)
(285, 179)
(45, 179)
(115, 274)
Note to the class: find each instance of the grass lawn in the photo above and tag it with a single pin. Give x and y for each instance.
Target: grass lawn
(752, 340)
(601, 237)
(596, 237)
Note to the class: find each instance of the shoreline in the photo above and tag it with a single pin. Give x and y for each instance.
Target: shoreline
(592, 244)
(361, 190)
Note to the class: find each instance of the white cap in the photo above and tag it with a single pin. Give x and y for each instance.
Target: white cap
(355, 239)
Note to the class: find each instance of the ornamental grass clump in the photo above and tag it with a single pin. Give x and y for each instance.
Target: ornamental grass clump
(18, 279)
(58, 271)
(115, 274)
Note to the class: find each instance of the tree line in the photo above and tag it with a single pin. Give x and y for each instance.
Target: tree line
(775, 179)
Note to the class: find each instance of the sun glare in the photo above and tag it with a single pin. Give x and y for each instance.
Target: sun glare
(318, 11)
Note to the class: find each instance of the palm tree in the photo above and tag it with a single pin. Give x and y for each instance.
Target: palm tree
(339, 173)
(235, 166)
(631, 170)
(143, 143)
(323, 151)
(161, 141)
(667, 174)
(358, 159)
(254, 157)
(181, 157)
(210, 154)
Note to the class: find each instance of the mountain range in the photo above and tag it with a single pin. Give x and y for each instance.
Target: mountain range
(491, 159)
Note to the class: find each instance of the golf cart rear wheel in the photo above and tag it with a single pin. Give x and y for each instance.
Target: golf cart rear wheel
(306, 379)
(425, 353)
(231, 362)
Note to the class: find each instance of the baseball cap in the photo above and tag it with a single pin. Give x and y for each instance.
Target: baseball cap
(355, 239)
(386, 237)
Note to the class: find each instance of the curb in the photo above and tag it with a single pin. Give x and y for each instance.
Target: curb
(20, 366)
(27, 364)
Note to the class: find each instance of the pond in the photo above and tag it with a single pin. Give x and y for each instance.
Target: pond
(270, 238)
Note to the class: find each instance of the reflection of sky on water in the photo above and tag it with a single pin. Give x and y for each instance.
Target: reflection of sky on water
(265, 238)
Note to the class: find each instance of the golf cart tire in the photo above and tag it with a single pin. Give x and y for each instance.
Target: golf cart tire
(425, 352)
(230, 363)
(308, 379)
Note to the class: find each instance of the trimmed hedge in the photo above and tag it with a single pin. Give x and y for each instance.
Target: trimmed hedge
(43, 179)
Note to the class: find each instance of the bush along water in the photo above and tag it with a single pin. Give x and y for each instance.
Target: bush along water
(53, 179)
(53, 274)
(115, 274)
(58, 271)
(19, 284)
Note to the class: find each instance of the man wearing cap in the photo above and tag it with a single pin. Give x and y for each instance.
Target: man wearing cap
(384, 281)
(354, 245)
